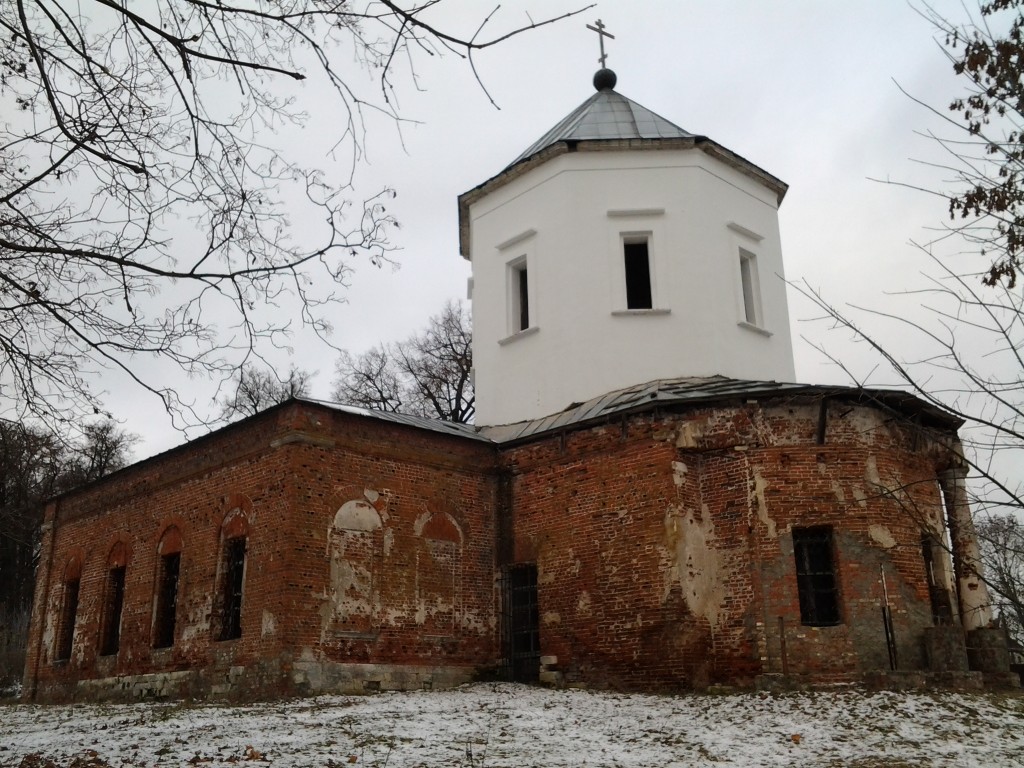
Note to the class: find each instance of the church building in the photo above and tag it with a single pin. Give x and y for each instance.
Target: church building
(646, 502)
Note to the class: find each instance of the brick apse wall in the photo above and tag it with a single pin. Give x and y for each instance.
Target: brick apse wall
(376, 554)
(664, 543)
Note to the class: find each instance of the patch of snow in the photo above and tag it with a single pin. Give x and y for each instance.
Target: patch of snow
(507, 725)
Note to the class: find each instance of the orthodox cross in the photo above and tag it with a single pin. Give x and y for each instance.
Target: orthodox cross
(601, 35)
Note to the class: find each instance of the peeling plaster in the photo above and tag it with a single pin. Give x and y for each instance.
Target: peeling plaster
(678, 473)
(688, 435)
(583, 604)
(837, 489)
(757, 495)
(552, 617)
(871, 471)
(695, 565)
(859, 495)
(269, 624)
(882, 536)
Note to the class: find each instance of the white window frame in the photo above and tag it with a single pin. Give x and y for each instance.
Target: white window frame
(513, 272)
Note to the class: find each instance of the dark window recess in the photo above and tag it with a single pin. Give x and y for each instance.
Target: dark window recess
(110, 640)
(522, 623)
(69, 613)
(524, 298)
(816, 576)
(166, 601)
(234, 574)
(638, 276)
(942, 607)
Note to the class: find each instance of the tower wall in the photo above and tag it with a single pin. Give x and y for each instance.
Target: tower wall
(567, 221)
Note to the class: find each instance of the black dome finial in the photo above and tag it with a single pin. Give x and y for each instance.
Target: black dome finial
(605, 79)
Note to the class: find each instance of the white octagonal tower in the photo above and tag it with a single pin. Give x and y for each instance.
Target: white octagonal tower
(616, 250)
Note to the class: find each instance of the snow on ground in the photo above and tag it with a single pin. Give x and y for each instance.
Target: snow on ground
(496, 725)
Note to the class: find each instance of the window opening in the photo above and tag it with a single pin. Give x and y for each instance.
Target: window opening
(748, 280)
(816, 576)
(521, 298)
(942, 607)
(110, 639)
(522, 623)
(638, 274)
(69, 612)
(234, 576)
(166, 600)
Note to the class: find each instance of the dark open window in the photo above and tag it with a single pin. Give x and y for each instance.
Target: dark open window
(638, 274)
(110, 637)
(942, 608)
(68, 614)
(231, 598)
(166, 600)
(816, 576)
(522, 294)
(748, 282)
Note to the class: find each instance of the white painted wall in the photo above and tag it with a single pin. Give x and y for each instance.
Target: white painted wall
(580, 343)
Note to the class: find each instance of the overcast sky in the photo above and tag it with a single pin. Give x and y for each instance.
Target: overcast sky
(809, 90)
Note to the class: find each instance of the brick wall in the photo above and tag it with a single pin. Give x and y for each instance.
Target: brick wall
(287, 473)
(664, 544)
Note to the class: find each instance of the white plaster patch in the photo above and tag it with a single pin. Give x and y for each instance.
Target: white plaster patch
(269, 624)
(882, 536)
(837, 489)
(552, 617)
(583, 604)
(757, 496)
(389, 541)
(871, 471)
(688, 435)
(695, 564)
(678, 472)
(859, 495)
(357, 515)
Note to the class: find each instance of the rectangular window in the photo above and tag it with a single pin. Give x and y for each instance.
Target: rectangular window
(166, 601)
(816, 577)
(234, 575)
(638, 273)
(748, 281)
(519, 296)
(110, 639)
(68, 614)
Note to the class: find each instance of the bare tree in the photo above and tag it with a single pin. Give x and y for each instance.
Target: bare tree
(256, 389)
(123, 121)
(959, 339)
(429, 374)
(1002, 541)
(35, 465)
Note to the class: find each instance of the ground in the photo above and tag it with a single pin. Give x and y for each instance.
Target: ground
(496, 725)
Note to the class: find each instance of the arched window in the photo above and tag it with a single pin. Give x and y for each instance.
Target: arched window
(356, 546)
(165, 594)
(234, 535)
(438, 572)
(113, 599)
(68, 609)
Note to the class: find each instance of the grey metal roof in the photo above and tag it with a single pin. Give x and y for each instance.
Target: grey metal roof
(689, 391)
(420, 422)
(607, 115)
(695, 391)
